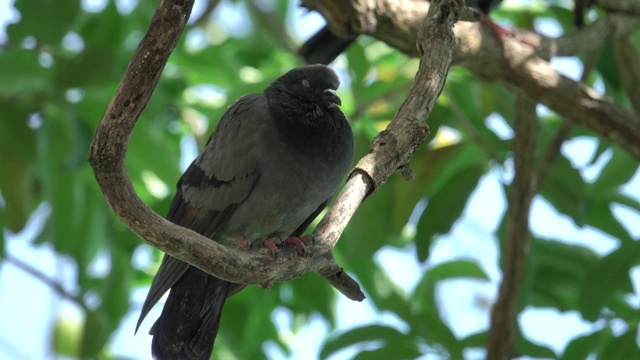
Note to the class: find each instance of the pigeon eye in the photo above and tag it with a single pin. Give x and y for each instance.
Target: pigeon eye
(306, 83)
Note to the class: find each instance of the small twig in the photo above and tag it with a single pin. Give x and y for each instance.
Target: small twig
(273, 25)
(206, 13)
(54, 285)
(466, 123)
(503, 330)
(552, 152)
(628, 68)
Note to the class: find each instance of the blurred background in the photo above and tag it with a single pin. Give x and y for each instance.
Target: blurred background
(426, 252)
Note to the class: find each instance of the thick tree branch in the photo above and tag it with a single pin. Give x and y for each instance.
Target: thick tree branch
(107, 155)
(391, 150)
(624, 6)
(396, 23)
(503, 331)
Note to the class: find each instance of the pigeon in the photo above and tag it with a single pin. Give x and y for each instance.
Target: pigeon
(324, 46)
(270, 167)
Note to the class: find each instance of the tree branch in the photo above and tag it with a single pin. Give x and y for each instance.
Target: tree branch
(502, 334)
(628, 68)
(107, 155)
(396, 22)
(55, 286)
(624, 6)
(391, 149)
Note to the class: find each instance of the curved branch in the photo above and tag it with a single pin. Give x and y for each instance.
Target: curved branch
(390, 151)
(514, 64)
(107, 157)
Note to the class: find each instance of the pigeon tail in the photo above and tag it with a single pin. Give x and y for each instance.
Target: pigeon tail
(188, 325)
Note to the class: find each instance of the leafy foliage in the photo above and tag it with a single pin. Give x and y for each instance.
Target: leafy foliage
(61, 64)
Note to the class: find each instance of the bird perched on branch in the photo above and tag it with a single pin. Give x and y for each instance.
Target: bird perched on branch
(272, 164)
(324, 46)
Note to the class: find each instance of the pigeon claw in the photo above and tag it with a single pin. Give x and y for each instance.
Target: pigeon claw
(298, 242)
(244, 243)
(271, 245)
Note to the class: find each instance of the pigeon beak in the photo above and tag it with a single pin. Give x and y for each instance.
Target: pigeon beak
(332, 96)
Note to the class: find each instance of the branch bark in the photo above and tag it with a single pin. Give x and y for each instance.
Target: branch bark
(396, 22)
(503, 330)
(391, 150)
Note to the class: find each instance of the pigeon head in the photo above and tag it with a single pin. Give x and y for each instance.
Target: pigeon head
(312, 83)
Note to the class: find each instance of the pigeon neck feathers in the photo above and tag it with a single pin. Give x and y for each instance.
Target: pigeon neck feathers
(303, 105)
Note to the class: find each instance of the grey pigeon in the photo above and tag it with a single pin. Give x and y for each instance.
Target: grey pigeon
(272, 164)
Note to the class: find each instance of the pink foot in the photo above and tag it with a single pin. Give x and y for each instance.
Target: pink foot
(271, 244)
(244, 243)
(298, 242)
(295, 241)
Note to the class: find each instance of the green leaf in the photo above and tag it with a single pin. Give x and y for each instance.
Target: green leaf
(528, 348)
(559, 271)
(445, 207)
(381, 289)
(95, 334)
(455, 270)
(425, 317)
(424, 293)
(624, 346)
(27, 77)
(310, 294)
(626, 200)
(17, 151)
(583, 346)
(608, 276)
(405, 350)
(434, 168)
(358, 65)
(607, 66)
(475, 340)
(384, 334)
(600, 216)
(429, 326)
(618, 171)
(46, 21)
(564, 188)
(246, 327)
(103, 35)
